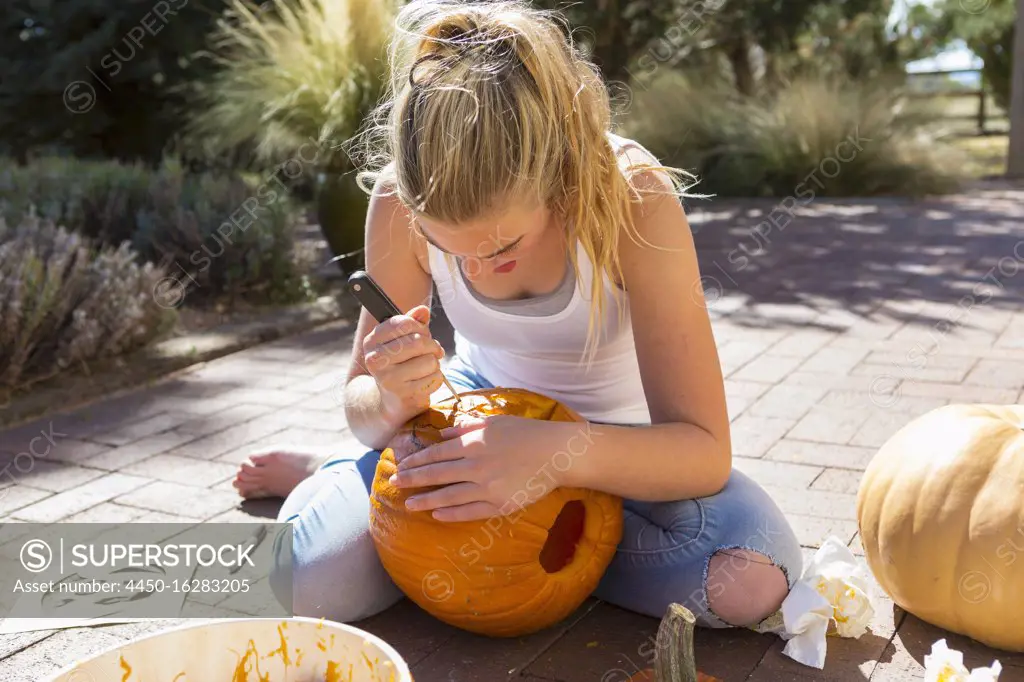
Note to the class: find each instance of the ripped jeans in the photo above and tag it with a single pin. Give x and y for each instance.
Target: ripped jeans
(663, 557)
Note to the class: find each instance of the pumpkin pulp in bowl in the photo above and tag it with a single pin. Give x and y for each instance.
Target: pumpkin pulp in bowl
(297, 649)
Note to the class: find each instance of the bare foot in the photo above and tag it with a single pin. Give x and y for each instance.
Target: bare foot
(275, 473)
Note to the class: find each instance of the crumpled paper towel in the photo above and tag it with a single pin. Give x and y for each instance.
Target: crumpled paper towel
(947, 665)
(832, 597)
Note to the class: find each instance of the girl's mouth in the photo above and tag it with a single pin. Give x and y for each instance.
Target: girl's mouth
(506, 267)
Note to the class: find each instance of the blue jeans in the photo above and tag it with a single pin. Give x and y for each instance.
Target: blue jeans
(663, 556)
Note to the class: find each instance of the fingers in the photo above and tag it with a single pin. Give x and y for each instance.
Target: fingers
(399, 350)
(474, 511)
(416, 320)
(404, 359)
(444, 451)
(437, 473)
(473, 424)
(420, 313)
(410, 345)
(414, 369)
(425, 386)
(448, 496)
(411, 380)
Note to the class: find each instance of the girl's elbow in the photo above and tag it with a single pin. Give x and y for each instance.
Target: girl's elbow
(722, 468)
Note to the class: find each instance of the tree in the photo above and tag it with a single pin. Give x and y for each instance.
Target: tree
(770, 27)
(632, 38)
(98, 77)
(855, 40)
(615, 32)
(742, 36)
(1015, 157)
(988, 33)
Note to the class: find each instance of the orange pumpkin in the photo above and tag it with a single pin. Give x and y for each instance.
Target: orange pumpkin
(941, 516)
(505, 576)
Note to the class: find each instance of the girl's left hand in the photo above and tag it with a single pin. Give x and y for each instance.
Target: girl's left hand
(484, 465)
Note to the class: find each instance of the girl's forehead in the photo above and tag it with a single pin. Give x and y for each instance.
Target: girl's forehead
(482, 236)
(509, 222)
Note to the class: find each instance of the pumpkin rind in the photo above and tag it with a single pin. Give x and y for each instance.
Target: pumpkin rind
(486, 576)
(941, 516)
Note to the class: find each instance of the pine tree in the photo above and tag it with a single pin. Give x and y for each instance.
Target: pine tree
(98, 77)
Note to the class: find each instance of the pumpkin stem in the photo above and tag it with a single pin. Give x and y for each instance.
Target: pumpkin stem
(675, 661)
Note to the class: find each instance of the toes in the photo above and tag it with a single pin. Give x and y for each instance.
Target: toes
(253, 480)
(275, 472)
(251, 474)
(246, 469)
(249, 490)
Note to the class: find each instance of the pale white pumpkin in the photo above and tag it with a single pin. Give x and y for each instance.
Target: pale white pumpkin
(941, 516)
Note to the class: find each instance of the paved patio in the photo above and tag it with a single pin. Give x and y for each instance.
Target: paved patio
(834, 330)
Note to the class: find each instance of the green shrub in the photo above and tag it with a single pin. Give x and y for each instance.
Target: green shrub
(97, 199)
(294, 80)
(829, 136)
(230, 236)
(294, 77)
(219, 234)
(62, 302)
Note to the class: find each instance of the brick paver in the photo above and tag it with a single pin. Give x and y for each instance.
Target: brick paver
(753, 436)
(56, 507)
(831, 339)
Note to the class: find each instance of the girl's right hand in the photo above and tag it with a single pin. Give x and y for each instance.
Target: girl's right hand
(405, 361)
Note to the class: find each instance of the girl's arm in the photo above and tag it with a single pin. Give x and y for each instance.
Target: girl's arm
(495, 465)
(686, 451)
(392, 260)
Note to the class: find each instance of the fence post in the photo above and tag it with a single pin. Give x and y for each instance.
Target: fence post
(1015, 154)
(981, 103)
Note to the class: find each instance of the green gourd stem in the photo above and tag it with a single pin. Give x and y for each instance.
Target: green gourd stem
(675, 661)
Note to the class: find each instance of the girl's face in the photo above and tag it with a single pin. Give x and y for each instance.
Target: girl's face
(492, 245)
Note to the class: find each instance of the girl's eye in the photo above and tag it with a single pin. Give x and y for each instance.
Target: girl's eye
(509, 250)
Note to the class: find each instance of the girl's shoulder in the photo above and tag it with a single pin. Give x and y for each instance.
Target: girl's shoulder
(645, 171)
(629, 152)
(389, 222)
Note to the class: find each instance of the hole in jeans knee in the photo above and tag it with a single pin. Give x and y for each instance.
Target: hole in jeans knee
(743, 586)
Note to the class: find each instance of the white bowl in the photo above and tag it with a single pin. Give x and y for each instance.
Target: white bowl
(288, 649)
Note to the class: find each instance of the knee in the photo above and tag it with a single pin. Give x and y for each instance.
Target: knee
(744, 587)
(342, 583)
(316, 594)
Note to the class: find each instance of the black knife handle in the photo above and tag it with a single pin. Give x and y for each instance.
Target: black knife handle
(371, 296)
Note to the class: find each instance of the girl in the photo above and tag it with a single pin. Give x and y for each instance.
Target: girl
(562, 256)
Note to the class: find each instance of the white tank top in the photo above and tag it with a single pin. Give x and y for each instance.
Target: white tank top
(545, 353)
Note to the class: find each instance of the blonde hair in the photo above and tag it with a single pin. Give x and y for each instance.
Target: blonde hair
(491, 102)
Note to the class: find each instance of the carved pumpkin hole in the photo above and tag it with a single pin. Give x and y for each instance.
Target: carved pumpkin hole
(563, 536)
